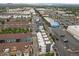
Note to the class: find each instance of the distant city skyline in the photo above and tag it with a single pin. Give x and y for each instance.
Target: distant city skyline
(41, 1)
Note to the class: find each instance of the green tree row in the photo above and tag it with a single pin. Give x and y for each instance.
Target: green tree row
(15, 30)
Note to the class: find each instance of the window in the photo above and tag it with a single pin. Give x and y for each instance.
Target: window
(24, 40)
(29, 39)
(2, 41)
(8, 41)
(13, 40)
(18, 40)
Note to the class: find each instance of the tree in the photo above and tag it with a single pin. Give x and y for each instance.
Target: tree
(27, 29)
(30, 30)
(65, 27)
(3, 22)
(8, 20)
(49, 54)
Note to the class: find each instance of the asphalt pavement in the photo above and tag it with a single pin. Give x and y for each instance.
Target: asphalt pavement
(69, 48)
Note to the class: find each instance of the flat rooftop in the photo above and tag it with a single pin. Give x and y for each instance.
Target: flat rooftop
(50, 20)
(73, 29)
(17, 35)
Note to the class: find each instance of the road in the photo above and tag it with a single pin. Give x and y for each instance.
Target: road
(35, 46)
(35, 27)
(35, 43)
(66, 49)
(40, 23)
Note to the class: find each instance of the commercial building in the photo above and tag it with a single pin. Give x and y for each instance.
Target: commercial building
(52, 22)
(55, 25)
(74, 30)
(48, 19)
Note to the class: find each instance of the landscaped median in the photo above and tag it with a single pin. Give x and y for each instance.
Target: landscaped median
(49, 54)
(15, 30)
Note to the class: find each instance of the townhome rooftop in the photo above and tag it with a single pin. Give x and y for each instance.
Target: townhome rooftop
(17, 35)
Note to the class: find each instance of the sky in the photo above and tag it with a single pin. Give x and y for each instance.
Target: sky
(41, 1)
